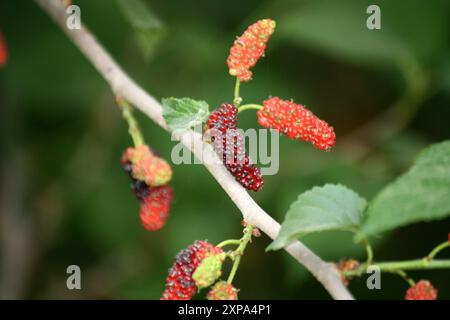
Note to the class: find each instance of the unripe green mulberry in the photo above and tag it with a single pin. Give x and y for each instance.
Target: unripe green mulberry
(208, 271)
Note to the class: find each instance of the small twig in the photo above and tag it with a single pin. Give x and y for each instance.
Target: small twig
(133, 127)
(229, 242)
(249, 106)
(248, 231)
(404, 276)
(394, 266)
(438, 249)
(369, 251)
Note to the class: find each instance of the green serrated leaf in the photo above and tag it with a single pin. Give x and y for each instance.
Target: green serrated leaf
(421, 194)
(331, 207)
(184, 113)
(148, 28)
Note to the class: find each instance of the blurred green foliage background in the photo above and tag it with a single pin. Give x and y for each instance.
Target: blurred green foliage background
(64, 198)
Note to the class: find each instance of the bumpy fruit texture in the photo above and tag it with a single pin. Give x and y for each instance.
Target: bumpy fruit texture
(228, 143)
(248, 48)
(297, 122)
(223, 118)
(155, 201)
(3, 51)
(179, 282)
(148, 167)
(140, 188)
(422, 290)
(223, 291)
(208, 271)
(155, 208)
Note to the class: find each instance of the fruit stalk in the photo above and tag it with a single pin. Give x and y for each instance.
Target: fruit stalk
(133, 127)
(237, 98)
(239, 252)
(438, 249)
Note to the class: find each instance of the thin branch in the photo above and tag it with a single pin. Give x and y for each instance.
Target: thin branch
(396, 266)
(122, 85)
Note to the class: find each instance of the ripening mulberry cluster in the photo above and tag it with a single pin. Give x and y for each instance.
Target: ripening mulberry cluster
(422, 290)
(248, 48)
(179, 283)
(229, 145)
(149, 176)
(3, 51)
(297, 122)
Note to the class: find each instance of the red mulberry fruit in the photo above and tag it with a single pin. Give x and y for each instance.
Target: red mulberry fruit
(248, 48)
(422, 290)
(155, 208)
(297, 122)
(179, 282)
(155, 201)
(228, 143)
(223, 291)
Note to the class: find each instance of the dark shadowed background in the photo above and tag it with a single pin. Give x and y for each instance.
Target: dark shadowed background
(64, 198)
